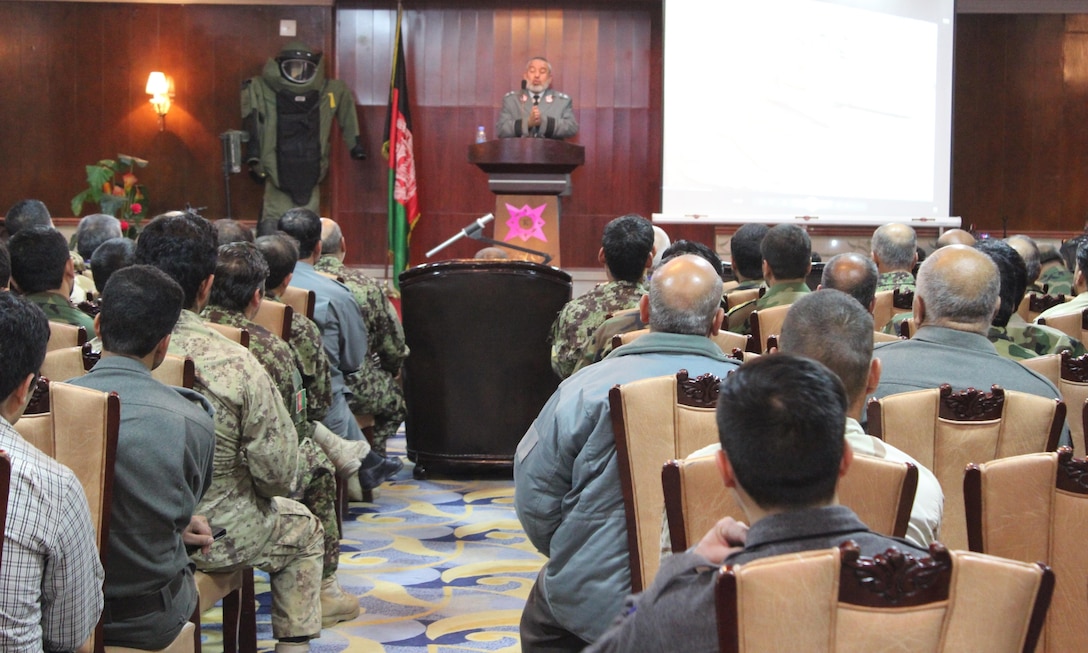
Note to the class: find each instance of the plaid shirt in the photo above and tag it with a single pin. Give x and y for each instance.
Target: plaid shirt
(51, 576)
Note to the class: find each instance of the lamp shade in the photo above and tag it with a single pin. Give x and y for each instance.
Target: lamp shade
(157, 84)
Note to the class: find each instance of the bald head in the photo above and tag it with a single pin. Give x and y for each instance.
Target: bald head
(957, 288)
(853, 274)
(332, 239)
(894, 247)
(1028, 250)
(955, 237)
(685, 297)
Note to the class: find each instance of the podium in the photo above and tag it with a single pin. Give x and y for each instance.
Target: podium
(527, 176)
(480, 368)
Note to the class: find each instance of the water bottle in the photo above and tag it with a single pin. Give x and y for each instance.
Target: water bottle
(481, 134)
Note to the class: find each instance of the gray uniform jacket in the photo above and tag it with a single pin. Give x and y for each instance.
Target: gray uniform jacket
(556, 116)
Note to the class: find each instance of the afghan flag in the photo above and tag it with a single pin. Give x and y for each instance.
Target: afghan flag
(403, 197)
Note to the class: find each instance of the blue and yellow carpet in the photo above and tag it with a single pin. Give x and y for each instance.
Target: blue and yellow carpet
(440, 566)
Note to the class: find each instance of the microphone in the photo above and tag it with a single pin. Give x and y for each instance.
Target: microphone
(472, 229)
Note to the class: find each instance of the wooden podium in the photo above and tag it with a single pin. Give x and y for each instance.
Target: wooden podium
(527, 176)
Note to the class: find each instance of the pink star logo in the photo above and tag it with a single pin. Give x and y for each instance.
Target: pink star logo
(526, 222)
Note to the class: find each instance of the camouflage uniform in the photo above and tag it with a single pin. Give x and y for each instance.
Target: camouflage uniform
(896, 279)
(374, 386)
(255, 461)
(312, 363)
(315, 486)
(574, 327)
(620, 322)
(1057, 279)
(59, 309)
(892, 326)
(1031, 340)
(1075, 305)
(780, 294)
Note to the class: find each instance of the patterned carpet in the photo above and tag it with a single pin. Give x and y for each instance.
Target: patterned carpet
(440, 566)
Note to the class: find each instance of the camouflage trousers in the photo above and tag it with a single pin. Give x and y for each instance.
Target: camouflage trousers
(276, 203)
(292, 558)
(378, 393)
(316, 489)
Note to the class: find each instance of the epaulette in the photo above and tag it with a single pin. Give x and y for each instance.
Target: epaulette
(512, 93)
(562, 96)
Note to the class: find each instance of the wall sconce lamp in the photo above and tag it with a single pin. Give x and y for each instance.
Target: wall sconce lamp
(161, 89)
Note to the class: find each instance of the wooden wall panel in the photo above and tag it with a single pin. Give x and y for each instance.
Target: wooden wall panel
(1020, 150)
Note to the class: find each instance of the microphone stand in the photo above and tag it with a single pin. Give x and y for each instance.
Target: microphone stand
(477, 235)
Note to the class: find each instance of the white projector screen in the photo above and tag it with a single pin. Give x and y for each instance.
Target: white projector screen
(776, 109)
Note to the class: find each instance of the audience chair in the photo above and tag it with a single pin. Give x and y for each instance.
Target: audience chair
(302, 301)
(880, 491)
(233, 588)
(880, 336)
(1072, 324)
(765, 323)
(232, 333)
(68, 362)
(831, 600)
(738, 297)
(889, 303)
(656, 420)
(1033, 304)
(727, 341)
(275, 317)
(65, 335)
(80, 432)
(946, 430)
(1070, 374)
(5, 487)
(1035, 507)
(907, 328)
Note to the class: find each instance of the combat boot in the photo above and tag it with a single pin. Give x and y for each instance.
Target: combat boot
(336, 604)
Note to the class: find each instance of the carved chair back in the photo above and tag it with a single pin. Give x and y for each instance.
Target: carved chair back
(765, 323)
(1034, 303)
(832, 600)
(65, 335)
(945, 430)
(1035, 507)
(1074, 325)
(655, 420)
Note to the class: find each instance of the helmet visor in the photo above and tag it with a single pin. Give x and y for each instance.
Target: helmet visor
(298, 71)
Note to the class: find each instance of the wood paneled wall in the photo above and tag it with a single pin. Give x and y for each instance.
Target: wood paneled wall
(1020, 149)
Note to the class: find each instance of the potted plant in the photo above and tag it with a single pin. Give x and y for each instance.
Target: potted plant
(112, 184)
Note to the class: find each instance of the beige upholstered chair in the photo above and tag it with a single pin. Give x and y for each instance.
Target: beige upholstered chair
(738, 297)
(68, 362)
(1033, 304)
(656, 420)
(880, 491)
(880, 336)
(80, 431)
(65, 335)
(176, 370)
(832, 600)
(275, 317)
(1071, 324)
(1070, 375)
(301, 301)
(240, 336)
(765, 323)
(946, 430)
(727, 341)
(1035, 507)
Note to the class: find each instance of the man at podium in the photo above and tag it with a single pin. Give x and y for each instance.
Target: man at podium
(536, 111)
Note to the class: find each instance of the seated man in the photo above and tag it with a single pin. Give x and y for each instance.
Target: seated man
(42, 270)
(954, 304)
(163, 468)
(855, 275)
(51, 578)
(256, 445)
(626, 251)
(1080, 285)
(375, 388)
(93, 230)
(566, 480)
(111, 256)
(1012, 336)
(1055, 273)
(787, 259)
(780, 421)
(747, 262)
(240, 274)
(1028, 250)
(27, 213)
(894, 250)
(343, 334)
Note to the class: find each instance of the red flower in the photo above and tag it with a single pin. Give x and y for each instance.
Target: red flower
(137, 208)
(124, 226)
